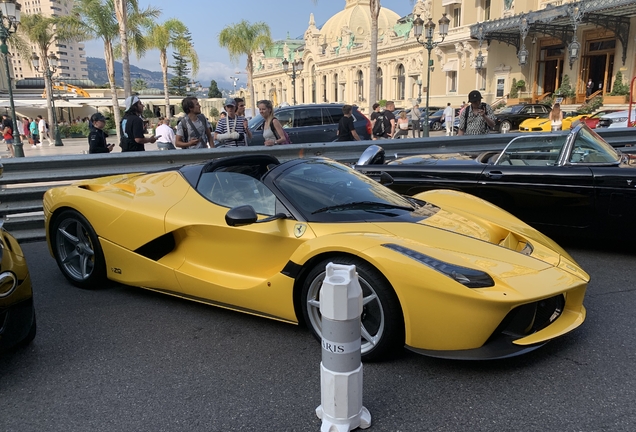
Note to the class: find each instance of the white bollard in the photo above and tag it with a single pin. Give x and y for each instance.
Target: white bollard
(341, 407)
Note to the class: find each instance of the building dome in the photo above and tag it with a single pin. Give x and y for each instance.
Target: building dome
(356, 18)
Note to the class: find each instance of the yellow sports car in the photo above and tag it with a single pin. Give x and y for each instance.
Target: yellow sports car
(443, 273)
(544, 124)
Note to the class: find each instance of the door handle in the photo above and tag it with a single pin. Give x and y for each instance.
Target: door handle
(494, 175)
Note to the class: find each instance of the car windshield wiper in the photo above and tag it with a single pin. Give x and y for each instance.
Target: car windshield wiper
(363, 205)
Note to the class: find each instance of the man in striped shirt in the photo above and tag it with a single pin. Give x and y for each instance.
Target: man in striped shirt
(230, 131)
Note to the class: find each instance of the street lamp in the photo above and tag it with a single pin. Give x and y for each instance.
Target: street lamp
(195, 86)
(297, 66)
(235, 79)
(49, 70)
(10, 16)
(429, 45)
(419, 96)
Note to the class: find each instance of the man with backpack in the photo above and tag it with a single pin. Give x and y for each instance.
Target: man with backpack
(383, 123)
(477, 117)
(193, 131)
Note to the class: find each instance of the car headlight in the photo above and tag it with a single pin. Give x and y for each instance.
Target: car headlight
(468, 277)
(619, 120)
(8, 283)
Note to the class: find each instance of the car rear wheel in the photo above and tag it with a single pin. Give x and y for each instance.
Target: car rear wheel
(436, 126)
(505, 126)
(77, 250)
(382, 329)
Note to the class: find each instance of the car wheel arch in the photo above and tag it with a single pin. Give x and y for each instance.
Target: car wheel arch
(389, 336)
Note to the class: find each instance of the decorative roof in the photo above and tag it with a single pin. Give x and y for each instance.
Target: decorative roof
(355, 20)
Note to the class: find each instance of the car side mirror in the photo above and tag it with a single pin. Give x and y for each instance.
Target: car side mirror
(246, 215)
(386, 179)
(241, 216)
(373, 155)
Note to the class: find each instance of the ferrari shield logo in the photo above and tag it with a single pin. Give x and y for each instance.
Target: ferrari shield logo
(299, 230)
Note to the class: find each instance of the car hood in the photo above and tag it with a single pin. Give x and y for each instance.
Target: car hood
(484, 234)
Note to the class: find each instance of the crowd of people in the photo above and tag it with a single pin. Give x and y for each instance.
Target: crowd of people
(194, 131)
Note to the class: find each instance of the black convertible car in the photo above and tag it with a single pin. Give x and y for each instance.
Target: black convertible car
(563, 183)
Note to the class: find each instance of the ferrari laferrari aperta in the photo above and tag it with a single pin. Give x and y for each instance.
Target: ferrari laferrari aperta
(443, 273)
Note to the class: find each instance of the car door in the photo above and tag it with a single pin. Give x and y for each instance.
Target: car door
(239, 266)
(615, 195)
(541, 193)
(331, 119)
(308, 127)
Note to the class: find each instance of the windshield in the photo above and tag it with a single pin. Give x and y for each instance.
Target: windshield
(535, 150)
(324, 190)
(438, 113)
(589, 147)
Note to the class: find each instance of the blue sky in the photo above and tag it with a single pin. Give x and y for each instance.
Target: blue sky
(206, 19)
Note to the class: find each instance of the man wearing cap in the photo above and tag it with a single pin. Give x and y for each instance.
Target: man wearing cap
(132, 127)
(96, 136)
(476, 117)
(230, 131)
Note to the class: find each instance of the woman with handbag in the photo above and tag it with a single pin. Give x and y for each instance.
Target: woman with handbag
(273, 132)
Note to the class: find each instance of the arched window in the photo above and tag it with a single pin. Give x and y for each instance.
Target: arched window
(335, 88)
(360, 79)
(378, 85)
(401, 83)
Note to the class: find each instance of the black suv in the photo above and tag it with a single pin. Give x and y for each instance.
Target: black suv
(511, 116)
(311, 123)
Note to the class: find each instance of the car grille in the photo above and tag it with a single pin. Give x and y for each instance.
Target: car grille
(527, 319)
(604, 123)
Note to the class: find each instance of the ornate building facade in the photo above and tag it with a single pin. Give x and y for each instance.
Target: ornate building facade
(489, 43)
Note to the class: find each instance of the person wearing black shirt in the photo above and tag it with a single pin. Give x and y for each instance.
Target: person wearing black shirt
(132, 127)
(346, 129)
(97, 136)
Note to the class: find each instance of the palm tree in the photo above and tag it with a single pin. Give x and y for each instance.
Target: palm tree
(243, 39)
(171, 34)
(44, 32)
(96, 19)
(121, 12)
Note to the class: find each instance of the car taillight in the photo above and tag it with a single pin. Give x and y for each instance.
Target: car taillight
(369, 129)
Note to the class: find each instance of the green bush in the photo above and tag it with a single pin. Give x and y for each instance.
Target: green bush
(80, 128)
(591, 106)
(514, 90)
(548, 101)
(214, 112)
(64, 130)
(521, 84)
(619, 88)
(566, 89)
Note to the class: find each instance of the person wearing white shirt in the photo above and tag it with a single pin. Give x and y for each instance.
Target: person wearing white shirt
(449, 118)
(165, 135)
(43, 130)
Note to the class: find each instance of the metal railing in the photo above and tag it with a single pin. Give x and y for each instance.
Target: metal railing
(24, 180)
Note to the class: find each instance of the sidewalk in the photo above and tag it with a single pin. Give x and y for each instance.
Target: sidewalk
(71, 146)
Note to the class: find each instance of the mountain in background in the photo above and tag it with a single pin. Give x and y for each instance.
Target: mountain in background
(97, 73)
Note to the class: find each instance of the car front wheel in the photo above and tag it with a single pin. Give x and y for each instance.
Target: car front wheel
(436, 126)
(77, 250)
(382, 323)
(505, 126)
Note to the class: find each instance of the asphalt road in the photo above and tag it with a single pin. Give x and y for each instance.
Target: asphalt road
(125, 359)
